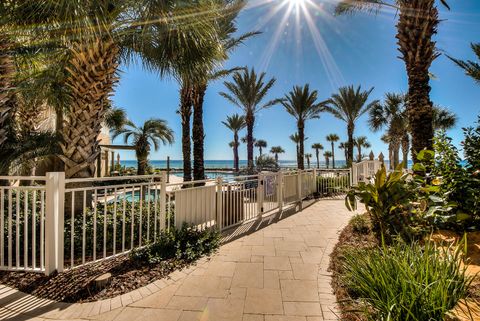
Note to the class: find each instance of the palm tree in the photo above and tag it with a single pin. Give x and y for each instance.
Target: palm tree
(302, 105)
(261, 144)
(308, 156)
(392, 115)
(333, 138)
(235, 123)
(471, 68)
(344, 146)
(327, 156)
(417, 23)
(277, 150)
(247, 91)
(361, 142)
(153, 132)
(296, 139)
(349, 105)
(317, 147)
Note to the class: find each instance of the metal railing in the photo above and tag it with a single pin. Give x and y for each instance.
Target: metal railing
(52, 223)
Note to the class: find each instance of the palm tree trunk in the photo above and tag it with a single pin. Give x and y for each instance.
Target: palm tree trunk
(142, 162)
(186, 113)
(405, 148)
(250, 120)
(276, 158)
(390, 156)
(333, 155)
(92, 76)
(418, 22)
(7, 74)
(260, 150)
(198, 133)
(301, 135)
(235, 152)
(359, 159)
(318, 161)
(350, 130)
(308, 162)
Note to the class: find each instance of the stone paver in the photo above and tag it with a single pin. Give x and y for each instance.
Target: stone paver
(278, 273)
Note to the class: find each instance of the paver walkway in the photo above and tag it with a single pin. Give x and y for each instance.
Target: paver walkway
(278, 273)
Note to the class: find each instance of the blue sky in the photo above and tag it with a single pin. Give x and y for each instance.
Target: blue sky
(332, 52)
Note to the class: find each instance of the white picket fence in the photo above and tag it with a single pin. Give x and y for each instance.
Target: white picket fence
(52, 223)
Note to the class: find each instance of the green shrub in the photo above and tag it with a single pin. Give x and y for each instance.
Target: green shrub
(186, 244)
(405, 282)
(471, 146)
(360, 224)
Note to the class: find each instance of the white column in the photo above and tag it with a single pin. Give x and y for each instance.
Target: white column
(54, 222)
(219, 203)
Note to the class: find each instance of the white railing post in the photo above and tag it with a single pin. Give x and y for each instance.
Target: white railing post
(315, 188)
(54, 222)
(260, 193)
(220, 203)
(280, 190)
(163, 202)
(299, 189)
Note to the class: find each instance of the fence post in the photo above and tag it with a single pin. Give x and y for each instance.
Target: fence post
(260, 192)
(54, 221)
(163, 201)
(219, 203)
(280, 191)
(315, 189)
(299, 189)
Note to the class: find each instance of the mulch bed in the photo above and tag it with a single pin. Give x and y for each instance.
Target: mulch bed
(349, 238)
(76, 285)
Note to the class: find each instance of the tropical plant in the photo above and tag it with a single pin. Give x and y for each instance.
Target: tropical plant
(153, 132)
(406, 281)
(275, 150)
(302, 105)
(247, 91)
(470, 67)
(333, 138)
(361, 142)
(327, 156)
(296, 139)
(266, 162)
(349, 105)
(317, 147)
(235, 123)
(471, 146)
(388, 201)
(261, 144)
(344, 146)
(418, 51)
(308, 156)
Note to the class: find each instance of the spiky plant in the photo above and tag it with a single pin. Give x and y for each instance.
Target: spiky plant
(235, 123)
(418, 21)
(317, 147)
(303, 105)
(275, 150)
(153, 132)
(348, 105)
(248, 91)
(333, 138)
(471, 68)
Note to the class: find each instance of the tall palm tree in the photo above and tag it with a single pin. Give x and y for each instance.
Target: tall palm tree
(327, 156)
(470, 67)
(333, 138)
(418, 21)
(344, 146)
(307, 157)
(392, 115)
(235, 123)
(247, 91)
(275, 150)
(296, 139)
(153, 132)
(302, 105)
(317, 147)
(261, 144)
(348, 105)
(361, 142)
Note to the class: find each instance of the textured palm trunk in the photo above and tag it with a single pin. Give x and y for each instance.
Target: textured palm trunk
(260, 150)
(235, 152)
(142, 163)
(359, 156)
(198, 133)
(390, 156)
(250, 120)
(327, 162)
(92, 76)
(276, 158)
(7, 104)
(333, 155)
(418, 22)
(301, 151)
(317, 154)
(405, 148)
(350, 130)
(186, 114)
